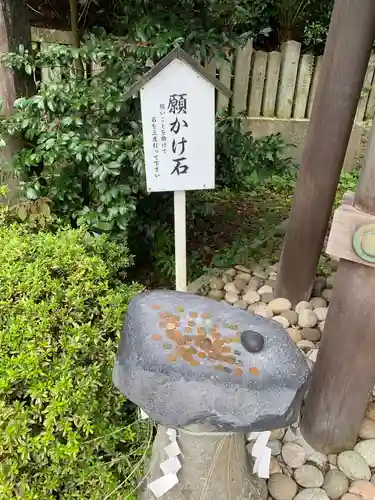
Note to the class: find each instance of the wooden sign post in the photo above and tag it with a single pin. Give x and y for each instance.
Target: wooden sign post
(178, 121)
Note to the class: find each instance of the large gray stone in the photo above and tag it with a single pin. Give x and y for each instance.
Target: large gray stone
(182, 360)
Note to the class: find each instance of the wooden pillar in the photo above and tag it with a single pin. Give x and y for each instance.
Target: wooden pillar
(344, 373)
(345, 60)
(14, 30)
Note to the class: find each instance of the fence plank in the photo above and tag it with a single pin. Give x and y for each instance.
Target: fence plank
(225, 76)
(290, 53)
(314, 83)
(303, 85)
(271, 84)
(241, 77)
(210, 65)
(362, 104)
(257, 83)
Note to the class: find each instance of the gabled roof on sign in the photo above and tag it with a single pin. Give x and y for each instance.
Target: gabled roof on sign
(180, 54)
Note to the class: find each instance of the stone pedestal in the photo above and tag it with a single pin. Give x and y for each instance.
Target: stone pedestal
(214, 467)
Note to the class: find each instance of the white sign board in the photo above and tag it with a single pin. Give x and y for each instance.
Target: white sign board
(178, 120)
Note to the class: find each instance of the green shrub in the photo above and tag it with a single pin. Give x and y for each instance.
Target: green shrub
(64, 431)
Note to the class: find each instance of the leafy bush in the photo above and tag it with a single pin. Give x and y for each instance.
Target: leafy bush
(64, 431)
(240, 156)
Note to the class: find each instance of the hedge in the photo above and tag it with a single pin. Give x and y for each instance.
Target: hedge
(65, 433)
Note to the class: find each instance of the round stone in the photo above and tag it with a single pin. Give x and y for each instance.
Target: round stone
(275, 447)
(216, 294)
(303, 305)
(308, 476)
(263, 310)
(265, 289)
(293, 454)
(271, 282)
(291, 316)
(268, 298)
(254, 284)
(312, 494)
(251, 297)
(226, 278)
(370, 412)
(279, 305)
(321, 325)
(327, 294)
(311, 334)
(243, 269)
(321, 313)
(367, 451)
(240, 284)
(318, 302)
(367, 430)
(282, 487)
(231, 272)
(282, 320)
(241, 304)
(319, 284)
(350, 496)
(231, 287)
(353, 465)
(307, 318)
(252, 341)
(275, 467)
(277, 434)
(335, 484)
(260, 274)
(231, 297)
(243, 276)
(294, 334)
(364, 489)
(216, 283)
(305, 345)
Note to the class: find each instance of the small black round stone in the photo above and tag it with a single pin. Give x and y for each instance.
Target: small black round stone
(252, 341)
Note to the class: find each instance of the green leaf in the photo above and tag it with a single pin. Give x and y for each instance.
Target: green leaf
(28, 69)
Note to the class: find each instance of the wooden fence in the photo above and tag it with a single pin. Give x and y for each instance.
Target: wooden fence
(264, 84)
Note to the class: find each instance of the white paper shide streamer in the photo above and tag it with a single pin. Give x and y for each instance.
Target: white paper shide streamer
(169, 467)
(261, 453)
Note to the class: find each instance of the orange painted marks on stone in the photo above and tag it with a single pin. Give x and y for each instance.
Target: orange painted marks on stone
(201, 330)
(187, 329)
(254, 371)
(226, 350)
(191, 323)
(206, 315)
(172, 358)
(162, 324)
(201, 354)
(171, 326)
(155, 336)
(194, 362)
(155, 307)
(194, 314)
(238, 372)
